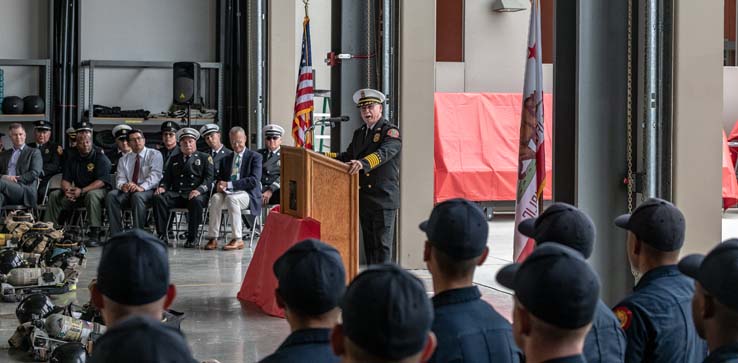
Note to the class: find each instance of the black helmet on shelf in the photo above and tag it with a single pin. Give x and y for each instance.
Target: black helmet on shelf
(69, 353)
(12, 105)
(33, 105)
(34, 307)
(9, 259)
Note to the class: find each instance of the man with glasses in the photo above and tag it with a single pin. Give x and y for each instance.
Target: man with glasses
(270, 170)
(374, 154)
(139, 173)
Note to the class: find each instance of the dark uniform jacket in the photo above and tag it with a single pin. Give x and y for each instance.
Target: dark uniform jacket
(724, 354)
(51, 154)
(28, 168)
(218, 158)
(114, 155)
(605, 342)
(167, 155)
(82, 171)
(569, 359)
(307, 345)
(657, 319)
(270, 173)
(182, 176)
(249, 177)
(470, 330)
(379, 150)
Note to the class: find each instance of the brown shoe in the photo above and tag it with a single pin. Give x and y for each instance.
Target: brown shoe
(234, 244)
(212, 244)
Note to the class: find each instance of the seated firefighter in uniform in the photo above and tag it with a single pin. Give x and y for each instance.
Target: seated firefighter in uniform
(186, 183)
(85, 181)
(51, 153)
(237, 188)
(270, 164)
(139, 173)
(121, 147)
(20, 167)
(211, 134)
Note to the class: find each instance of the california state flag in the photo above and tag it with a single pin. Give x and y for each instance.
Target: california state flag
(531, 161)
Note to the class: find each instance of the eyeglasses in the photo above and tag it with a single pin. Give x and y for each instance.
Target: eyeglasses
(272, 137)
(135, 139)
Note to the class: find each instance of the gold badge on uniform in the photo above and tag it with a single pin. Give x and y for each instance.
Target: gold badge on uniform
(210, 160)
(197, 162)
(624, 315)
(90, 167)
(376, 137)
(46, 151)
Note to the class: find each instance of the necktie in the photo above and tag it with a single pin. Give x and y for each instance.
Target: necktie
(136, 167)
(236, 168)
(214, 153)
(270, 155)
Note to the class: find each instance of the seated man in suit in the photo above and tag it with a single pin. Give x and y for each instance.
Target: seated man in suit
(85, 181)
(187, 181)
(271, 165)
(237, 188)
(20, 167)
(139, 173)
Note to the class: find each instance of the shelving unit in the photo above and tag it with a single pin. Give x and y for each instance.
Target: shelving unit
(93, 64)
(46, 88)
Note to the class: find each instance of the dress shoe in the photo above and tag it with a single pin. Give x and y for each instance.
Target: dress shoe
(93, 239)
(234, 244)
(212, 244)
(191, 244)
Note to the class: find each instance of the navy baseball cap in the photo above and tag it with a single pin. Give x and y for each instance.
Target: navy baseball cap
(134, 268)
(141, 339)
(311, 277)
(386, 312)
(717, 272)
(457, 227)
(657, 222)
(555, 284)
(562, 223)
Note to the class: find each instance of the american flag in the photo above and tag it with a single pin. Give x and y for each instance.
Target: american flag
(304, 97)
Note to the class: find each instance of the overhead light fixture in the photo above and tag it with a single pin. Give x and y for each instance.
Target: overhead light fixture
(509, 6)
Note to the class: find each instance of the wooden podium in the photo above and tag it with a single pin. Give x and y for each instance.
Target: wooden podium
(318, 187)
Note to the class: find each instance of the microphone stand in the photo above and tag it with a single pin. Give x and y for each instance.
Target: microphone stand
(310, 129)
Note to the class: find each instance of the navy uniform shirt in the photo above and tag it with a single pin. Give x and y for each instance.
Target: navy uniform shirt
(470, 330)
(605, 342)
(167, 154)
(218, 157)
(379, 150)
(724, 354)
(657, 319)
(569, 359)
(182, 177)
(307, 345)
(270, 170)
(83, 170)
(51, 154)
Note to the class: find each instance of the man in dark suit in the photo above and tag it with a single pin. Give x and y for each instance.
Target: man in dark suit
(51, 153)
(187, 181)
(20, 167)
(271, 165)
(237, 188)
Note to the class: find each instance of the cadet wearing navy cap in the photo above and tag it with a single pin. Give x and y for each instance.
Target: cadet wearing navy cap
(51, 153)
(565, 224)
(121, 148)
(556, 294)
(715, 301)
(187, 182)
(657, 317)
(312, 281)
(271, 170)
(457, 243)
(374, 153)
(212, 136)
(386, 318)
(132, 291)
(168, 147)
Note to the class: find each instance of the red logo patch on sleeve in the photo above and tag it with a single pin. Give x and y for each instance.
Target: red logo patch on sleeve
(624, 315)
(393, 133)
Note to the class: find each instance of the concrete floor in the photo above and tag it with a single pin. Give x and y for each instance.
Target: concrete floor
(218, 326)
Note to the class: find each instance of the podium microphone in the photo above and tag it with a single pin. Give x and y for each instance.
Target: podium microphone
(336, 119)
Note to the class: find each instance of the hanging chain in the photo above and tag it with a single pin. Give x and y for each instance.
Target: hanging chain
(629, 114)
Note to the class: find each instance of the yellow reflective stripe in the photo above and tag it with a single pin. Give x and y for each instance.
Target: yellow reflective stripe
(373, 160)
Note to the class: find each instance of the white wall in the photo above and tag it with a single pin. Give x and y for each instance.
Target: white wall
(32, 17)
(730, 98)
(320, 37)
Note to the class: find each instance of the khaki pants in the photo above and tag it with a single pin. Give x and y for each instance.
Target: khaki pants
(234, 203)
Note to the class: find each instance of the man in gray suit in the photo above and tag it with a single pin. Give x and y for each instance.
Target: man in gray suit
(20, 167)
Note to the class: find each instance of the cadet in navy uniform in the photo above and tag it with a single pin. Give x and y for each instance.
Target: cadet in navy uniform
(312, 281)
(187, 182)
(374, 153)
(168, 147)
(51, 153)
(556, 294)
(657, 317)
(386, 317)
(715, 301)
(211, 134)
(121, 148)
(457, 243)
(271, 165)
(565, 224)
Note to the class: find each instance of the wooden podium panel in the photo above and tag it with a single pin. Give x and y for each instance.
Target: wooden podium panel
(316, 186)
